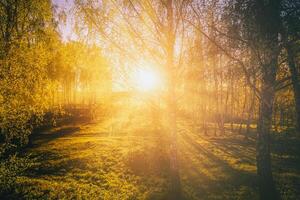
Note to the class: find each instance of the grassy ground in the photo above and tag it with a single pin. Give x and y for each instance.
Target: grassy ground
(126, 161)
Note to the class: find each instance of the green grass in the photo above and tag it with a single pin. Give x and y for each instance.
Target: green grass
(96, 161)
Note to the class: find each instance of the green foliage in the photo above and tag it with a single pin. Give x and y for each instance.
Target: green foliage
(24, 58)
(23, 91)
(38, 72)
(10, 170)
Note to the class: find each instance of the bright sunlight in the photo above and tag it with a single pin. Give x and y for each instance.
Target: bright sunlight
(147, 79)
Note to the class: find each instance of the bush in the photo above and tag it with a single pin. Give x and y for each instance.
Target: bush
(10, 170)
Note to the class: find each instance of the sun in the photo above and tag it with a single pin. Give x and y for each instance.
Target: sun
(147, 79)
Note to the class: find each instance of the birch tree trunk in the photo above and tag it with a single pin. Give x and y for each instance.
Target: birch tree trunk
(268, 23)
(263, 155)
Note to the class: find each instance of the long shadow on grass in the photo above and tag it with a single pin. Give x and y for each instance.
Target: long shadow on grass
(286, 152)
(234, 178)
(54, 164)
(39, 139)
(51, 162)
(242, 149)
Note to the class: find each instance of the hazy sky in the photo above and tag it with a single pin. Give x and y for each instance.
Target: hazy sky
(65, 28)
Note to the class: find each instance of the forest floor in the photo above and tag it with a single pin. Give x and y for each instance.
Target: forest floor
(93, 161)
